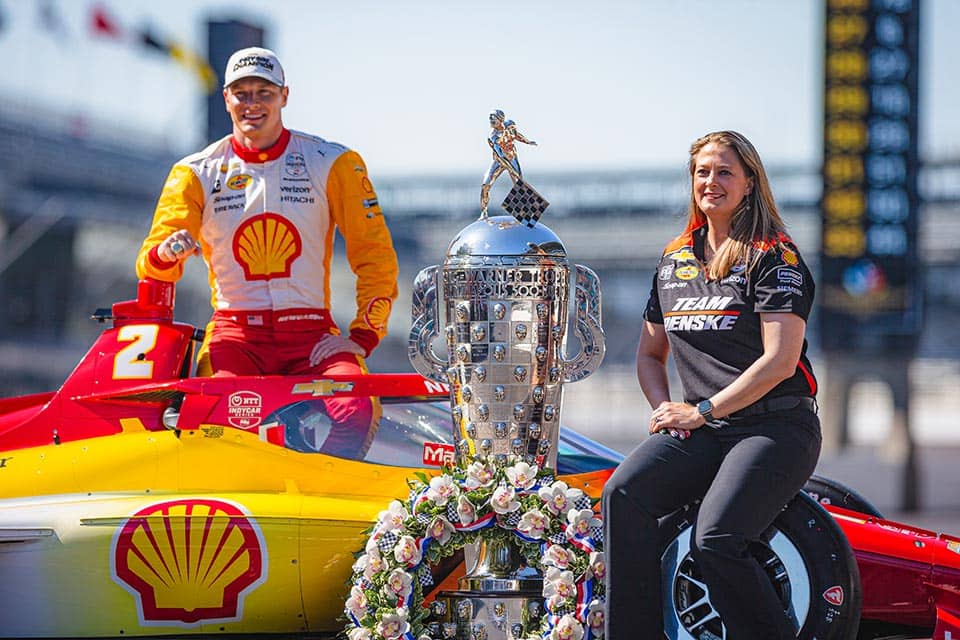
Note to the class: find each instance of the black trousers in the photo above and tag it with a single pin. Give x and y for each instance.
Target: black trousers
(745, 473)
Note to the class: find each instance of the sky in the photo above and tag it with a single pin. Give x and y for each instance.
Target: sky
(606, 84)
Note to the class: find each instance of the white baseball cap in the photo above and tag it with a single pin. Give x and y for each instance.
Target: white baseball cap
(253, 62)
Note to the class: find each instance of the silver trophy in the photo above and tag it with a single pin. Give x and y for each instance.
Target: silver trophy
(504, 286)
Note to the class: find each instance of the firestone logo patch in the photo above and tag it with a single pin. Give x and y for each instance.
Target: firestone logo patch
(190, 561)
(244, 409)
(834, 595)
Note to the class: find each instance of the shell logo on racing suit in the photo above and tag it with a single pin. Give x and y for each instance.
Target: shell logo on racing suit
(266, 246)
(377, 313)
(189, 561)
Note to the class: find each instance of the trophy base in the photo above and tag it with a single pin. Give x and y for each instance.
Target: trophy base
(493, 615)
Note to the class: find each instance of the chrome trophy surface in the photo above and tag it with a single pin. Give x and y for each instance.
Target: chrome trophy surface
(504, 287)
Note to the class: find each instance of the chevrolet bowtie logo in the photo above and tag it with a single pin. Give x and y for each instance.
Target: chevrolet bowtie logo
(322, 387)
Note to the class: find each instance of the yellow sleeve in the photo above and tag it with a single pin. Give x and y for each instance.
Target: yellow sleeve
(357, 214)
(180, 207)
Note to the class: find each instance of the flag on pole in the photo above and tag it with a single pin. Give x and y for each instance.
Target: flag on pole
(104, 25)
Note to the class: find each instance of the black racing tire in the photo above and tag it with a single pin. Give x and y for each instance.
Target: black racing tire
(827, 491)
(806, 556)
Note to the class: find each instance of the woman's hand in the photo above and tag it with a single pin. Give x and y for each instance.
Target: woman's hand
(677, 419)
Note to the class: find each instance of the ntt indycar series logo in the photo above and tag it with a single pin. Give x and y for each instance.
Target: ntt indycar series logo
(701, 313)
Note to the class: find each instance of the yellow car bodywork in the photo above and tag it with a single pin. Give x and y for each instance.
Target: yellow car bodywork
(212, 530)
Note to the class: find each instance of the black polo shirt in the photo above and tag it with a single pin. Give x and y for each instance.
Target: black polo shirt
(714, 326)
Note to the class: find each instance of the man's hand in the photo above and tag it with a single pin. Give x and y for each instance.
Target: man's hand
(178, 246)
(330, 345)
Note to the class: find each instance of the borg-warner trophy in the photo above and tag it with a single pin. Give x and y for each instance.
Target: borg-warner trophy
(503, 286)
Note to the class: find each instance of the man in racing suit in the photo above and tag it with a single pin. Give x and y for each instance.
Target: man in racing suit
(261, 206)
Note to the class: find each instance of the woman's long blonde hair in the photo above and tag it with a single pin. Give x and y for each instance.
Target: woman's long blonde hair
(755, 221)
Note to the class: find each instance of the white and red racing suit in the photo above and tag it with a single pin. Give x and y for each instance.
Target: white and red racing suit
(265, 221)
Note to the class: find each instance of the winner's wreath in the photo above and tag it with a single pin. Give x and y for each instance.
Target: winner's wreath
(553, 525)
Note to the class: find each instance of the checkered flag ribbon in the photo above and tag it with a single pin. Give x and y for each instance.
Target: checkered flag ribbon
(424, 577)
(524, 203)
(387, 541)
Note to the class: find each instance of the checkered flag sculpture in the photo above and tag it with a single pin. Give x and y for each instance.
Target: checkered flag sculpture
(524, 203)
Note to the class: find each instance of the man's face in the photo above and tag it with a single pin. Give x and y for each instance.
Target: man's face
(254, 106)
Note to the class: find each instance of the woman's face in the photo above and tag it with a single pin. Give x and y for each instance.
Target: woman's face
(720, 181)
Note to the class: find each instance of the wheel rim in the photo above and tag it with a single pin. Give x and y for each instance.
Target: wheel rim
(688, 613)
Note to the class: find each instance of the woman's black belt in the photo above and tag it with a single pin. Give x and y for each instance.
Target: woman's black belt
(779, 403)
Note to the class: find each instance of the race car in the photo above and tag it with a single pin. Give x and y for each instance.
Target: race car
(138, 500)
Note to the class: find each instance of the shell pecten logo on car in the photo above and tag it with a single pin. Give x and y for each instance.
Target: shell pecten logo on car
(266, 245)
(189, 561)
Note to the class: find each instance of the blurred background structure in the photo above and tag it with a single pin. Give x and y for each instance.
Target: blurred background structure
(852, 122)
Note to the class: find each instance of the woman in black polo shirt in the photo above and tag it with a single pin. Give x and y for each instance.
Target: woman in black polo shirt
(730, 300)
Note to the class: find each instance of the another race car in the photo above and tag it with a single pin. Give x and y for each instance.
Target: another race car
(137, 500)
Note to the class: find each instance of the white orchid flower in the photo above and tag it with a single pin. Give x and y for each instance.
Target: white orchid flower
(522, 475)
(360, 633)
(502, 501)
(466, 512)
(580, 521)
(393, 517)
(479, 475)
(399, 584)
(559, 583)
(558, 497)
(567, 628)
(440, 530)
(407, 552)
(598, 566)
(533, 523)
(394, 625)
(596, 614)
(442, 489)
(557, 556)
(357, 602)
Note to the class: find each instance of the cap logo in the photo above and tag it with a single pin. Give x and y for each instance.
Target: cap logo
(253, 61)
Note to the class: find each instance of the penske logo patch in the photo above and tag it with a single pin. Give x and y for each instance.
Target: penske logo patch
(701, 313)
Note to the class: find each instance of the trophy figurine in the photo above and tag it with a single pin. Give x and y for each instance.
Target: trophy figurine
(503, 286)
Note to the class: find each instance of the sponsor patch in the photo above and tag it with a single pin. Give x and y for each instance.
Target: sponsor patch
(244, 409)
(321, 387)
(834, 595)
(666, 272)
(369, 203)
(688, 272)
(790, 257)
(239, 182)
(683, 255)
(294, 165)
(366, 184)
(377, 312)
(790, 276)
(438, 454)
(188, 561)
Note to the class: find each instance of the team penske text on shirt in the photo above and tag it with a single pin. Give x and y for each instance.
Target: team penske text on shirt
(683, 315)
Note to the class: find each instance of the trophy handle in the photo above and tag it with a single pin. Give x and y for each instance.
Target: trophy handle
(588, 326)
(424, 330)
